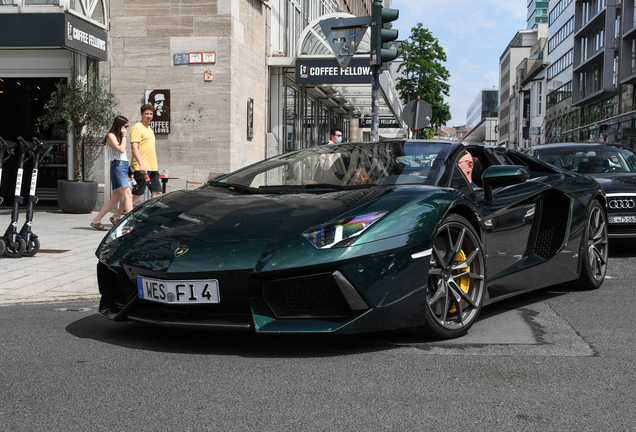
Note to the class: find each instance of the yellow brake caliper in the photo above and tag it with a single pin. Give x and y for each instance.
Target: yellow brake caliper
(464, 283)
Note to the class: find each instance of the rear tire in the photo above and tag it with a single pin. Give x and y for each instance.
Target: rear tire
(456, 282)
(595, 249)
(32, 247)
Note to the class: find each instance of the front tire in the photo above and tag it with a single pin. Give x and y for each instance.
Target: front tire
(456, 282)
(15, 249)
(595, 249)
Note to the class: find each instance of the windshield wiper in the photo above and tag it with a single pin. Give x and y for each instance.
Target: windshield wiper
(233, 186)
(318, 186)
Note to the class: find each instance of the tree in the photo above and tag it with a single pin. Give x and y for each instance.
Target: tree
(85, 105)
(425, 76)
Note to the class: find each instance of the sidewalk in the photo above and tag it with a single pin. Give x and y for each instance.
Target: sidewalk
(64, 269)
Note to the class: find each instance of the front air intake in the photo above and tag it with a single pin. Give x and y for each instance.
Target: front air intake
(115, 285)
(315, 296)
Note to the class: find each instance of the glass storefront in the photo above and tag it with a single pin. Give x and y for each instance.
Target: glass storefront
(21, 103)
(318, 117)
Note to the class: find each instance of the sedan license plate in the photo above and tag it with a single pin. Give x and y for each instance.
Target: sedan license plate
(622, 219)
(170, 291)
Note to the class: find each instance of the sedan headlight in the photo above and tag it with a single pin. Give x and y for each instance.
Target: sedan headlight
(123, 227)
(342, 232)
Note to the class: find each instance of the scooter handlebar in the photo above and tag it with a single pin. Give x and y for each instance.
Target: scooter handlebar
(7, 146)
(26, 146)
(42, 148)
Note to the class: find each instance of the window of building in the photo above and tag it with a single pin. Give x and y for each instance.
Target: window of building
(562, 93)
(310, 121)
(558, 10)
(592, 43)
(591, 81)
(561, 34)
(633, 58)
(291, 116)
(92, 9)
(591, 8)
(559, 66)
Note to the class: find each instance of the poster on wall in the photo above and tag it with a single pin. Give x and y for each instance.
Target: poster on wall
(250, 119)
(160, 100)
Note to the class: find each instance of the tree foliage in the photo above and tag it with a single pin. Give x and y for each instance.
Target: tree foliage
(86, 106)
(425, 76)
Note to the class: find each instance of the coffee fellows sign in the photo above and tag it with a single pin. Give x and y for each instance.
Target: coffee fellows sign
(160, 101)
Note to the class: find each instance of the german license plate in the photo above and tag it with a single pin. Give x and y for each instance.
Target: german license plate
(622, 219)
(169, 291)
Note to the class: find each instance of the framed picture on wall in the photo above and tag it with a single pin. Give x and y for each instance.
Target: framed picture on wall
(209, 57)
(195, 57)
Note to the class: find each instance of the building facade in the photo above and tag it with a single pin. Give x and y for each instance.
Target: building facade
(225, 76)
(517, 50)
(482, 123)
(530, 81)
(41, 41)
(537, 13)
(592, 71)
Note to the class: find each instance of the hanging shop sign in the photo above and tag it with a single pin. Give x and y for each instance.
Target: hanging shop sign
(85, 38)
(387, 123)
(53, 30)
(526, 115)
(358, 71)
(160, 100)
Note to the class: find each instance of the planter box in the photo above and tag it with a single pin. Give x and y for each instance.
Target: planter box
(76, 197)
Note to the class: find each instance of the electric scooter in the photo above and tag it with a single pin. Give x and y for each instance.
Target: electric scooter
(15, 244)
(5, 147)
(38, 151)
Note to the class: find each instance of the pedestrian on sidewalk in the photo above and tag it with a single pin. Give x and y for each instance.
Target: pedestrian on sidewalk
(115, 142)
(144, 157)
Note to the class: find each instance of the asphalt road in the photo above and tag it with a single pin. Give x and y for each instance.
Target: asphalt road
(553, 360)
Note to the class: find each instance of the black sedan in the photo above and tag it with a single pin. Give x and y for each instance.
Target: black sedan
(354, 238)
(612, 165)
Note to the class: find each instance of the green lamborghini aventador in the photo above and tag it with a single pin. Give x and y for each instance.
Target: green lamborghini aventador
(356, 237)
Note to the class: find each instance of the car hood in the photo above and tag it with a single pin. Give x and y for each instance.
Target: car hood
(224, 229)
(221, 215)
(616, 183)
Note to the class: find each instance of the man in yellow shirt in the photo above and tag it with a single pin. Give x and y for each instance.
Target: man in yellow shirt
(144, 155)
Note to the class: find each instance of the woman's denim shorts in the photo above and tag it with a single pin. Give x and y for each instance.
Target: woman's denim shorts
(119, 174)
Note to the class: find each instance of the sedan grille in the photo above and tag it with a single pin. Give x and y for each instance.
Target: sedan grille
(615, 230)
(621, 204)
(304, 297)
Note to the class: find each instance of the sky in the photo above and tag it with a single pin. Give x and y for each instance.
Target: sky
(474, 34)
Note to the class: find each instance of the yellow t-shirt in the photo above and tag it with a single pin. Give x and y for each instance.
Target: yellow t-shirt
(146, 139)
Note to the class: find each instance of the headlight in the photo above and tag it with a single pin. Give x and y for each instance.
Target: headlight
(337, 233)
(123, 227)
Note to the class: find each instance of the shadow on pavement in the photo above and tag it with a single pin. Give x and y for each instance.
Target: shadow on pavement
(246, 344)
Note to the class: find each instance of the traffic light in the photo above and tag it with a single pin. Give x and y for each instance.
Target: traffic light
(382, 33)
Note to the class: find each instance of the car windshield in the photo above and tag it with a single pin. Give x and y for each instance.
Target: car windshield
(346, 166)
(590, 160)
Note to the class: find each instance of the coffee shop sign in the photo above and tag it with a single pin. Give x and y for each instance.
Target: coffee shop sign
(307, 71)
